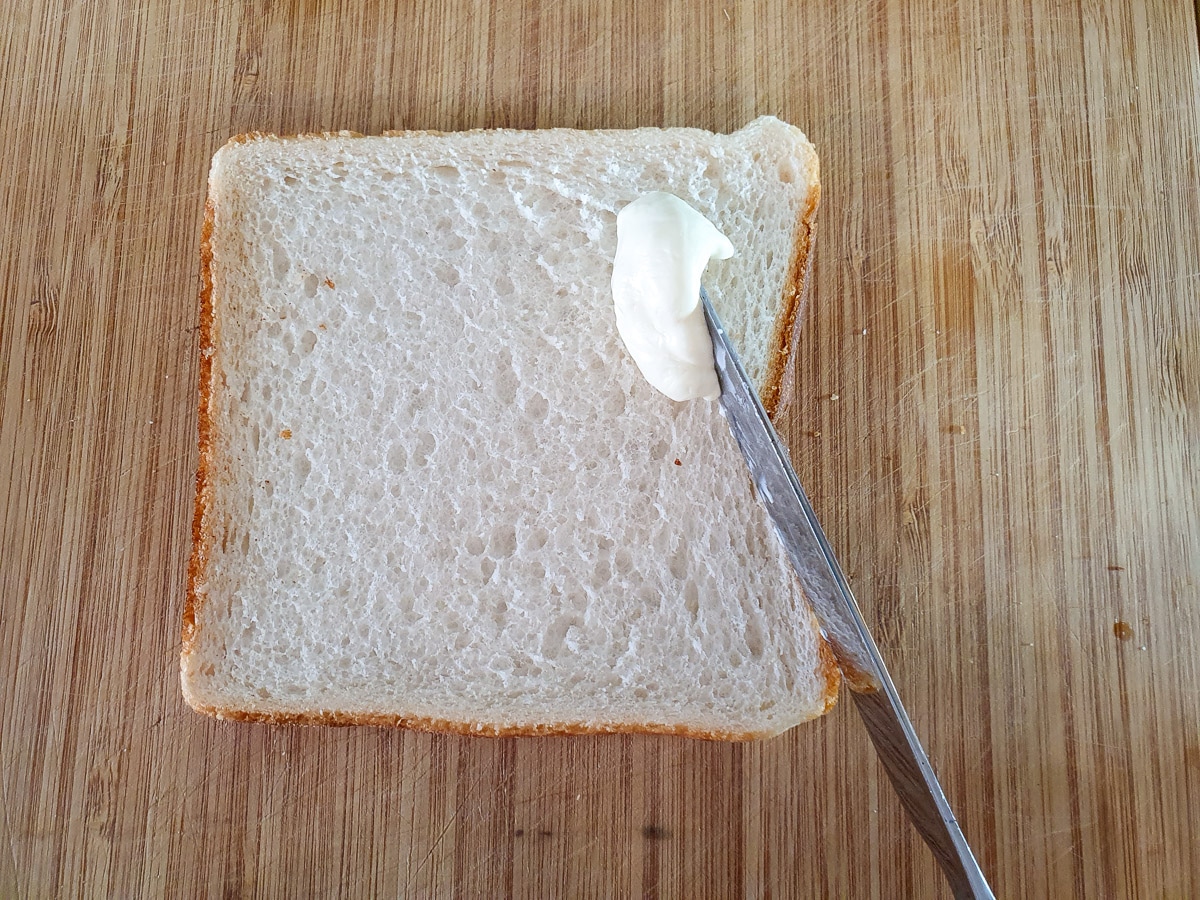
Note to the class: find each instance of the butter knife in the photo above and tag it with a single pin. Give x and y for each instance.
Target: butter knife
(827, 590)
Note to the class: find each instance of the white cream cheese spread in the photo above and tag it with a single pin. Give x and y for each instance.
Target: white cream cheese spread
(663, 246)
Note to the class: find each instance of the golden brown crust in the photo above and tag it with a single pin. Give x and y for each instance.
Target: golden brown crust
(490, 729)
(200, 534)
(830, 671)
(795, 298)
(856, 679)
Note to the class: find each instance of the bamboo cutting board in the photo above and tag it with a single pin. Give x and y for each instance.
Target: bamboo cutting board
(997, 407)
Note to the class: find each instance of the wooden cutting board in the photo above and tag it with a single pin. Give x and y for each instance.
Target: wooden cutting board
(997, 407)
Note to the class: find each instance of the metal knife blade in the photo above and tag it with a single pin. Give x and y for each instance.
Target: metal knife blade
(827, 590)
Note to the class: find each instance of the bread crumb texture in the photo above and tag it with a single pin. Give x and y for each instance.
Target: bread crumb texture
(437, 492)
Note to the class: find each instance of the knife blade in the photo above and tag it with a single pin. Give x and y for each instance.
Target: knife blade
(829, 593)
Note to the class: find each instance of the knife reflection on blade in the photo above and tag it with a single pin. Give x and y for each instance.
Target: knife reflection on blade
(829, 593)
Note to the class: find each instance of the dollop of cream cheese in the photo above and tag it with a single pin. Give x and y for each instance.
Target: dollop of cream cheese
(663, 246)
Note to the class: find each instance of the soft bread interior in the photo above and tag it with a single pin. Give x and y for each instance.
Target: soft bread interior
(436, 487)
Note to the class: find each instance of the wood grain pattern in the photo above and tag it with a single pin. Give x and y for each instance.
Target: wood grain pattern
(997, 408)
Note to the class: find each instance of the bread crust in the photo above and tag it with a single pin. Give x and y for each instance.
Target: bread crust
(785, 332)
(201, 534)
(794, 302)
(831, 672)
(491, 729)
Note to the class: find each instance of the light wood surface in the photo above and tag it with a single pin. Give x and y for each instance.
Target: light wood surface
(997, 408)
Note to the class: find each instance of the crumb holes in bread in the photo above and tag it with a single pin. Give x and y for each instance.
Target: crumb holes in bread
(562, 634)
(537, 407)
(311, 284)
(445, 173)
(426, 444)
(678, 562)
(545, 204)
(691, 599)
(308, 340)
(447, 274)
(397, 458)
(280, 264)
(503, 541)
(661, 542)
(614, 405)
(487, 567)
(506, 381)
(754, 637)
(536, 538)
(602, 573)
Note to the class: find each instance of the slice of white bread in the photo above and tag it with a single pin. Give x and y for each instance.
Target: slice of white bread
(434, 490)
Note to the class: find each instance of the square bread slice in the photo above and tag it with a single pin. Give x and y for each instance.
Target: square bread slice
(434, 490)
